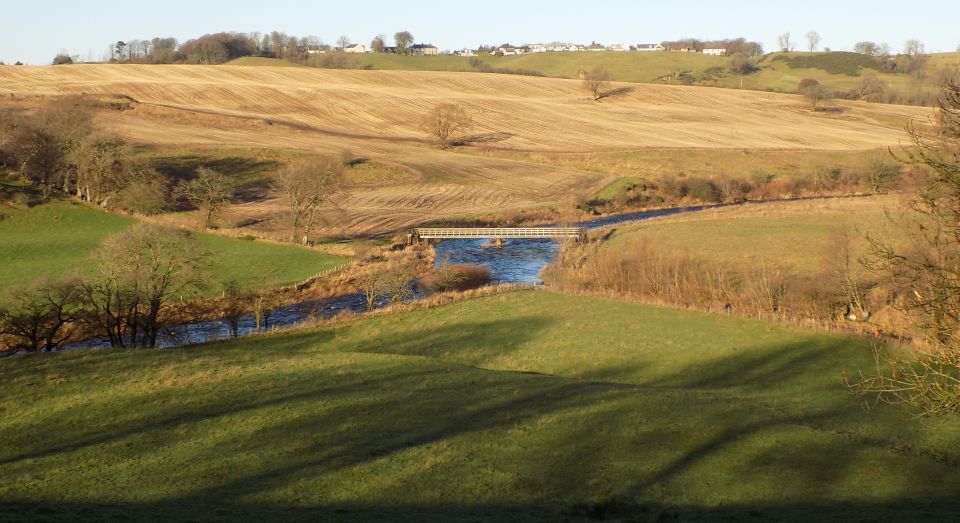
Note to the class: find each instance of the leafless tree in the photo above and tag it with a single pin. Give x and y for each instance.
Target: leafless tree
(210, 192)
(307, 188)
(913, 47)
(378, 44)
(41, 315)
(596, 81)
(922, 267)
(140, 275)
(813, 40)
(403, 40)
(343, 42)
(813, 90)
(784, 42)
(390, 282)
(445, 121)
(98, 165)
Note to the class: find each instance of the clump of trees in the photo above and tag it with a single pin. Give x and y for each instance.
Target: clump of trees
(57, 150)
(446, 121)
(135, 291)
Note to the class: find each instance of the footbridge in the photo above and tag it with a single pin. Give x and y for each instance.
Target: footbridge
(497, 234)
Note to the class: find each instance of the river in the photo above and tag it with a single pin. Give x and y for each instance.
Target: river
(517, 261)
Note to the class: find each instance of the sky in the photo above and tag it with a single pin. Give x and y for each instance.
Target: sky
(35, 31)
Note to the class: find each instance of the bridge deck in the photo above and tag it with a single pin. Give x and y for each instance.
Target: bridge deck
(499, 232)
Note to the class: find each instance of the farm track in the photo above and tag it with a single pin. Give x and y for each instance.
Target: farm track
(374, 114)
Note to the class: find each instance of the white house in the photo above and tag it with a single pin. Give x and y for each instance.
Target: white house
(509, 50)
(650, 47)
(355, 48)
(715, 52)
(465, 52)
(317, 49)
(596, 47)
(619, 47)
(537, 48)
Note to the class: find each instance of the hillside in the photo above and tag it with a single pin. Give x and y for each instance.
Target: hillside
(375, 114)
(487, 409)
(55, 240)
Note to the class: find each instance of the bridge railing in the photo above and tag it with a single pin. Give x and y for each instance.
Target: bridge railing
(499, 232)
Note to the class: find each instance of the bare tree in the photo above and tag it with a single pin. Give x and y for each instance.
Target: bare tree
(784, 42)
(813, 90)
(343, 42)
(139, 273)
(444, 121)
(813, 40)
(308, 187)
(596, 81)
(403, 39)
(923, 272)
(378, 44)
(41, 315)
(387, 282)
(913, 47)
(210, 192)
(98, 165)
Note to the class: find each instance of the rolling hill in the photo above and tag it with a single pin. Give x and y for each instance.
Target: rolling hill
(375, 114)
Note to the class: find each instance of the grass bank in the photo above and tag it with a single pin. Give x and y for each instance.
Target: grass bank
(521, 406)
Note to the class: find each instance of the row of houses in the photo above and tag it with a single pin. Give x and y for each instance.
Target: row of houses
(510, 50)
(417, 49)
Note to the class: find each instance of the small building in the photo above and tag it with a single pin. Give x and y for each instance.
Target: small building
(595, 47)
(508, 50)
(619, 47)
(537, 48)
(354, 49)
(318, 49)
(424, 50)
(465, 52)
(650, 47)
(716, 51)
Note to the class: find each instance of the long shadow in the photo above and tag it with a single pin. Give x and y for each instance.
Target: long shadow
(597, 447)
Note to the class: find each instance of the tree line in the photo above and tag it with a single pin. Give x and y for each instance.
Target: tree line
(217, 48)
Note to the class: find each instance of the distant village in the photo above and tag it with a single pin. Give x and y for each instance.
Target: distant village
(719, 49)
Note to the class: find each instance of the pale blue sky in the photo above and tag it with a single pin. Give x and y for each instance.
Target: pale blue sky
(34, 31)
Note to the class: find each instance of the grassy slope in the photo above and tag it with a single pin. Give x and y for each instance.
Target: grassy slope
(509, 407)
(795, 235)
(651, 67)
(54, 240)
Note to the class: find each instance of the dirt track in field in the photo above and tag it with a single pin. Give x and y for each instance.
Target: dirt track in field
(375, 113)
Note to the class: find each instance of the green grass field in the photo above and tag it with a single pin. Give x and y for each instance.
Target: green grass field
(55, 240)
(521, 406)
(793, 235)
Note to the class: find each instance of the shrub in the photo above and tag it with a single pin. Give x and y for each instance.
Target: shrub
(457, 277)
(703, 190)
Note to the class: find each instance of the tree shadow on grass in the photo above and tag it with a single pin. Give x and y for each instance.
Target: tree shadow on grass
(522, 446)
(249, 175)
